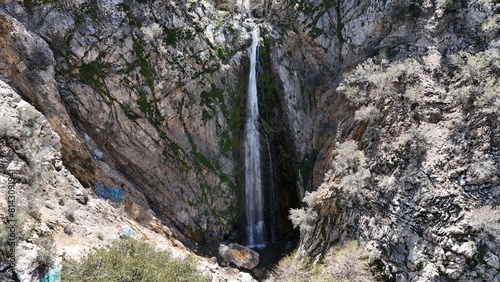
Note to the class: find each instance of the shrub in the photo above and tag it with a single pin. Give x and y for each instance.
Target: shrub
(29, 116)
(355, 95)
(348, 159)
(348, 263)
(70, 214)
(367, 113)
(131, 260)
(33, 210)
(486, 218)
(491, 24)
(291, 269)
(386, 183)
(350, 166)
(303, 218)
(415, 93)
(69, 229)
(372, 82)
(481, 170)
(46, 251)
(311, 197)
(479, 85)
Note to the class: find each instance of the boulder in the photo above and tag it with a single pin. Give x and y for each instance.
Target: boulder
(239, 255)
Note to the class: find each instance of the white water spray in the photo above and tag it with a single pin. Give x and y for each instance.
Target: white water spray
(253, 183)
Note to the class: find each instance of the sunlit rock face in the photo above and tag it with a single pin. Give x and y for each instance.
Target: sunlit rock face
(396, 79)
(149, 89)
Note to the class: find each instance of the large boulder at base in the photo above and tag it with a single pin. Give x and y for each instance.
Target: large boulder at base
(239, 255)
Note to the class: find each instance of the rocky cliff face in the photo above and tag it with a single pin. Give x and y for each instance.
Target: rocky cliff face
(407, 140)
(150, 95)
(51, 216)
(149, 89)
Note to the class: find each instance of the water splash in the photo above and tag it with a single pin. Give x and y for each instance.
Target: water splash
(253, 183)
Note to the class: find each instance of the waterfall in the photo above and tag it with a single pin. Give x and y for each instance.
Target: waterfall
(272, 207)
(253, 183)
(245, 7)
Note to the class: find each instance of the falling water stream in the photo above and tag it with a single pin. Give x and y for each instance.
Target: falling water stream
(255, 232)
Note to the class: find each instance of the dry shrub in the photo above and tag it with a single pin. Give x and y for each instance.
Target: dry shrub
(303, 218)
(291, 269)
(46, 251)
(348, 262)
(487, 219)
(137, 212)
(345, 263)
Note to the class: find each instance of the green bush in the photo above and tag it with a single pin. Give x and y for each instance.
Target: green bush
(131, 260)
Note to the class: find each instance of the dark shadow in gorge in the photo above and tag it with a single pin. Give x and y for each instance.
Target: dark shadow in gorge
(279, 168)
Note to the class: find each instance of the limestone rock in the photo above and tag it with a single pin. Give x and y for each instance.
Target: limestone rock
(492, 260)
(468, 249)
(428, 209)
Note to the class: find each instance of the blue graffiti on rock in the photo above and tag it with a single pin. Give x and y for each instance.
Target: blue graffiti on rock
(109, 193)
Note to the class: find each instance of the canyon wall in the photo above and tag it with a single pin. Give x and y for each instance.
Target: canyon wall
(398, 102)
(147, 91)
(150, 96)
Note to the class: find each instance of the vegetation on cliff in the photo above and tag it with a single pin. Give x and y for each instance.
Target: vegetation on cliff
(131, 260)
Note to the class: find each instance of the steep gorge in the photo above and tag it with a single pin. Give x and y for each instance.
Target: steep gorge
(147, 99)
(150, 96)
